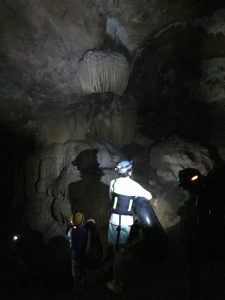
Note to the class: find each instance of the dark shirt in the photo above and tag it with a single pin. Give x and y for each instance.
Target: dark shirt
(78, 241)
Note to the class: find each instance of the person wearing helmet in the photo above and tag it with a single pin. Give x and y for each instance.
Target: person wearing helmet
(191, 180)
(77, 236)
(202, 225)
(122, 193)
(205, 207)
(197, 210)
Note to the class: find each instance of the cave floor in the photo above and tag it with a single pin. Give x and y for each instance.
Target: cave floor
(170, 279)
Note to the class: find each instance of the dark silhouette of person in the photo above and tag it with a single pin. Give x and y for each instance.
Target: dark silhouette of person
(203, 213)
(202, 219)
(89, 194)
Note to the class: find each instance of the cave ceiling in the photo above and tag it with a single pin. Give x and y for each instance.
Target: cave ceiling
(76, 69)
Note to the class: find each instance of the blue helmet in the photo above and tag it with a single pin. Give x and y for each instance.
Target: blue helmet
(124, 166)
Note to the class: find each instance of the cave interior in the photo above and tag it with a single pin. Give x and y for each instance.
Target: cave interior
(84, 85)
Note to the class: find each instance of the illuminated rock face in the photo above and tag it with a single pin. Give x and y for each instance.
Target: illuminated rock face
(68, 177)
(104, 71)
(56, 92)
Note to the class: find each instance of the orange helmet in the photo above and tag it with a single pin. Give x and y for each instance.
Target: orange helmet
(77, 218)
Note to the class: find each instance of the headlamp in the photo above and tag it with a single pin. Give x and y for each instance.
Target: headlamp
(195, 177)
(15, 238)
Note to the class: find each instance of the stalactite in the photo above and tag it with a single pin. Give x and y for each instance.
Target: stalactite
(104, 71)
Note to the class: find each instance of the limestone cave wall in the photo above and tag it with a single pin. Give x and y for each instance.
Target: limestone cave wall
(141, 80)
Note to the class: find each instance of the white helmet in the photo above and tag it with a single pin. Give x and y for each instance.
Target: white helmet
(124, 166)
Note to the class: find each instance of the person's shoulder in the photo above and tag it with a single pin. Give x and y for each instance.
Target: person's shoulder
(113, 180)
(136, 184)
(80, 229)
(133, 181)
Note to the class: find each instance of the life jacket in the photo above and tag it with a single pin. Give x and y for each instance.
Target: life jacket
(122, 204)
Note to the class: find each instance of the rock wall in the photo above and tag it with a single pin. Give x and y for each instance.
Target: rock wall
(175, 56)
(181, 79)
(66, 177)
(167, 158)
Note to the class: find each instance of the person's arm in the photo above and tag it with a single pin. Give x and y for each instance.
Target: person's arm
(68, 229)
(141, 192)
(111, 189)
(69, 237)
